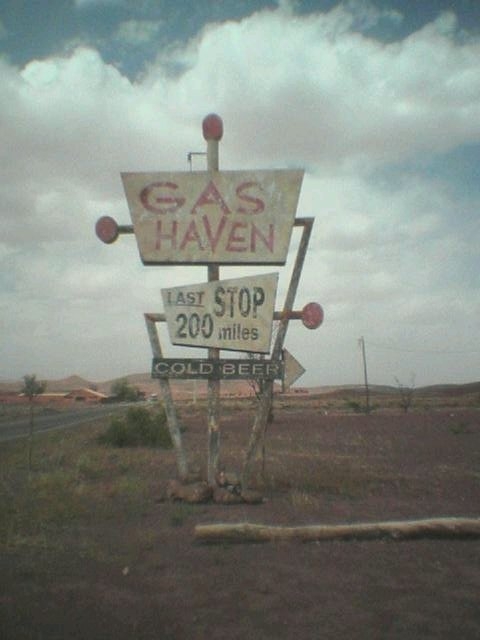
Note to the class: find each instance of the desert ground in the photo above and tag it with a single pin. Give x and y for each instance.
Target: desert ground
(92, 548)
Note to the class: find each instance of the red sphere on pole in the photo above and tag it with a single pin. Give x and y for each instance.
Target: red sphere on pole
(106, 229)
(312, 315)
(212, 126)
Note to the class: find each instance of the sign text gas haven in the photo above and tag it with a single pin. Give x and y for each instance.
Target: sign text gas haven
(227, 217)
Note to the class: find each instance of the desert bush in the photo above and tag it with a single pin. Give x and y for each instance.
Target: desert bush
(181, 511)
(122, 390)
(355, 406)
(139, 428)
(459, 428)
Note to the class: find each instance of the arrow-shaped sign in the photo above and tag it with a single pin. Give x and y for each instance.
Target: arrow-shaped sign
(293, 370)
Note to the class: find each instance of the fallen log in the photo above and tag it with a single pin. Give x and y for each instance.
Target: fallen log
(397, 530)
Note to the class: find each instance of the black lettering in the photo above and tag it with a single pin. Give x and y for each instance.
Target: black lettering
(207, 326)
(219, 311)
(194, 325)
(244, 302)
(258, 299)
(182, 320)
(232, 291)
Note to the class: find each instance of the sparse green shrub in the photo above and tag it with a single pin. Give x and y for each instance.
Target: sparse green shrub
(406, 393)
(139, 428)
(31, 389)
(180, 513)
(355, 406)
(125, 391)
(459, 428)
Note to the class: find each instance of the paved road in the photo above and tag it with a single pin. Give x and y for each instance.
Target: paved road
(18, 428)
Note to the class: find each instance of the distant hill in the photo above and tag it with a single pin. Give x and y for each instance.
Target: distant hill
(451, 389)
(352, 388)
(64, 384)
(188, 388)
(68, 384)
(7, 386)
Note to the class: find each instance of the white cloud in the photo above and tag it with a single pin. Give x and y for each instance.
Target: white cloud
(390, 259)
(334, 95)
(137, 32)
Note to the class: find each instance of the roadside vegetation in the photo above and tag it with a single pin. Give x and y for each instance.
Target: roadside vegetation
(114, 470)
(77, 479)
(31, 389)
(139, 428)
(90, 529)
(124, 391)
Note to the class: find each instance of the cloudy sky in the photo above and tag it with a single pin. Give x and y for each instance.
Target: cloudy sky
(379, 102)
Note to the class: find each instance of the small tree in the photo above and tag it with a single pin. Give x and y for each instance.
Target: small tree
(123, 390)
(31, 389)
(406, 393)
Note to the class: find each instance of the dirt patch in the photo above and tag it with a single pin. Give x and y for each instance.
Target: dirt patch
(138, 573)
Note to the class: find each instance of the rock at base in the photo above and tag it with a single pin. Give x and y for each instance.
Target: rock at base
(224, 496)
(250, 496)
(195, 493)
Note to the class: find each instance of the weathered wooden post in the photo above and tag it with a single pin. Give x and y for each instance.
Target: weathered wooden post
(212, 132)
(170, 411)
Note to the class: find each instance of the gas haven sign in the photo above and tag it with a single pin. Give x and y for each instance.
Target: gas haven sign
(222, 217)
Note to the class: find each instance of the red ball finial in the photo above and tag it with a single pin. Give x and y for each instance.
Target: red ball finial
(212, 127)
(312, 315)
(106, 229)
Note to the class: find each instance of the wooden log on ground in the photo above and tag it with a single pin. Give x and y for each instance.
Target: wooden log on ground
(397, 530)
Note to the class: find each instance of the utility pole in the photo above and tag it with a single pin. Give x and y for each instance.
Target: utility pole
(367, 390)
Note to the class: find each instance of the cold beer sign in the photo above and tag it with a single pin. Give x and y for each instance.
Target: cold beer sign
(233, 314)
(227, 217)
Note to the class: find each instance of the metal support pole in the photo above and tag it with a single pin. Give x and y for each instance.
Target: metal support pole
(367, 389)
(265, 403)
(212, 132)
(173, 426)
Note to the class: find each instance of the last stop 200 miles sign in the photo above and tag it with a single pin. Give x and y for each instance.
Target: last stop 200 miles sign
(234, 314)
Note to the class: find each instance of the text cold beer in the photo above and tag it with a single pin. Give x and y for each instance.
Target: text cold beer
(181, 368)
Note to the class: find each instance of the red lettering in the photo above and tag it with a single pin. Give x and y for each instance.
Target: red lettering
(214, 238)
(172, 236)
(268, 242)
(210, 195)
(234, 239)
(191, 235)
(155, 201)
(245, 197)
